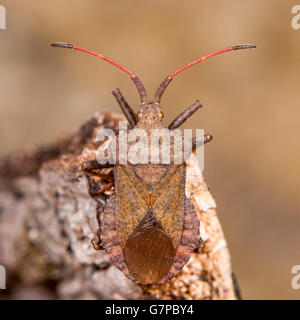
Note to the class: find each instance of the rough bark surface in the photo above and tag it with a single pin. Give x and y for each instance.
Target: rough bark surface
(48, 218)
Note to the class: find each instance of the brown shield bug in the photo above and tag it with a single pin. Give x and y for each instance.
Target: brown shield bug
(149, 227)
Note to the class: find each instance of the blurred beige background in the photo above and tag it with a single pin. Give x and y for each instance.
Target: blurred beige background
(251, 101)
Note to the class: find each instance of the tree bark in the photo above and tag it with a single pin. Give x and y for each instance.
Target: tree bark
(48, 218)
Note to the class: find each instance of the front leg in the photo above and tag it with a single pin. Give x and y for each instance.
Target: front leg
(185, 115)
(126, 109)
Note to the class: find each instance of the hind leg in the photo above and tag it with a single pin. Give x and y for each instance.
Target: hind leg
(103, 173)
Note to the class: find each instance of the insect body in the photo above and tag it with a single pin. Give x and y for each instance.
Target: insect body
(149, 228)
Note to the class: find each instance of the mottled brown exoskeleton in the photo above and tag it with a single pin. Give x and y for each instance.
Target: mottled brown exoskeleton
(149, 228)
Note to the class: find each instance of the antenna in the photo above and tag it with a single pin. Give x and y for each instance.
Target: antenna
(138, 83)
(162, 87)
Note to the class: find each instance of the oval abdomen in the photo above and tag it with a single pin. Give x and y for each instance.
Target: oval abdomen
(149, 252)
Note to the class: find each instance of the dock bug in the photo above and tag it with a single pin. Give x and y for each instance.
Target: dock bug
(149, 228)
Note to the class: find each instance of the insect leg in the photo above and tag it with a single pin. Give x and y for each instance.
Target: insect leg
(91, 165)
(96, 190)
(200, 245)
(237, 290)
(206, 138)
(185, 115)
(96, 241)
(126, 109)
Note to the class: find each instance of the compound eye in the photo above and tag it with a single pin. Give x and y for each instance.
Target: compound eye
(161, 115)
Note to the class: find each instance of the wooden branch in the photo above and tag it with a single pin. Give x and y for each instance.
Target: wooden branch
(48, 218)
